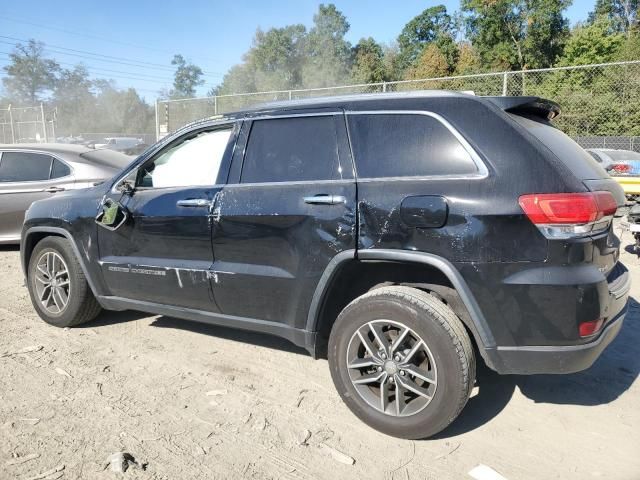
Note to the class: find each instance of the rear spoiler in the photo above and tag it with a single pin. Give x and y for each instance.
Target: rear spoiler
(539, 107)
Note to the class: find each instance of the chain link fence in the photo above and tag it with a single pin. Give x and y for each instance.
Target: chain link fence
(27, 124)
(600, 103)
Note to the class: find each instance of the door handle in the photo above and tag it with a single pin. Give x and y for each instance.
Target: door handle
(326, 200)
(194, 202)
(54, 189)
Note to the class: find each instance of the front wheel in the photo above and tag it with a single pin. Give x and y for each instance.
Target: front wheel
(402, 361)
(57, 286)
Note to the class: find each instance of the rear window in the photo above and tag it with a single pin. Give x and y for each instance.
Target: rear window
(24, 167)
(59, 169)
(578, 160)
(406, 145)
(108, 158)
(292, 150)
(621, 155)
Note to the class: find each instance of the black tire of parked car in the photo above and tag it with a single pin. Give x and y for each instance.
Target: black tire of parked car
(446, 338)
(82, 306)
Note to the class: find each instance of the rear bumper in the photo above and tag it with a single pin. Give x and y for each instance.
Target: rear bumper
(555, 359)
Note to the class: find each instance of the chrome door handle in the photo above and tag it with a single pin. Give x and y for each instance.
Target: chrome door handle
(326, 200)
(54, 189)
(194, 202)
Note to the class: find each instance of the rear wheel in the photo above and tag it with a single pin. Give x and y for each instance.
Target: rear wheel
(402, 361)
(57, 286)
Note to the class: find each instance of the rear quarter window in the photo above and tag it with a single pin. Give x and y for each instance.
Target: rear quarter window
(406, 145)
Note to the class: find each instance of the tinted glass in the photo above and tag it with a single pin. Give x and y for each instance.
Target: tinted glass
(397, 145)
(292, 149)
(195, 161)
(595, 156)
(621, 155)
(59, 169)
(24, 167)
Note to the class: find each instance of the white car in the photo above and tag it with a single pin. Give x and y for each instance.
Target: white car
(119, 143)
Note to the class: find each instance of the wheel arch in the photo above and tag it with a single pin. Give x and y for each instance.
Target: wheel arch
(33, 235)
(457, 294)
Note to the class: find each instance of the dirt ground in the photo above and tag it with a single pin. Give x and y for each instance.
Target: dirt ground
(196, 401)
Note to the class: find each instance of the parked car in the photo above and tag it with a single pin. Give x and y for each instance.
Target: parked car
(119, 144)
(395, 234)
(30, 172)
(623, 165)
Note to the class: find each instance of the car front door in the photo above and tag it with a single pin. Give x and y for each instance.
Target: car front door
(24, 178)
(289, 208)
(162, 252)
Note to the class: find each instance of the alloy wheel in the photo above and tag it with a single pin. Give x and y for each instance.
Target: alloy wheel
(52, 283)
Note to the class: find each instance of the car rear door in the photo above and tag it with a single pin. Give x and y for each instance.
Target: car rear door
(289, 208)
(162, 252)
(24, 178)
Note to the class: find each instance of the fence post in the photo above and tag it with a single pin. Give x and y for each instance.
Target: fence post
(289, 94)
(215, 105)
(504, 84)
(157, 122)
(384, 87)
(13, 133)
(44, 123)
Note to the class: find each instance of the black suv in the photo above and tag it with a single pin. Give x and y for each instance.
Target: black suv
(399, 235)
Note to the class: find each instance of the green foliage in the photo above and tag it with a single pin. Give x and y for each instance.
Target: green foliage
(29, 75)
(592, 43)
(433, 25)
(186, 78)
(368, 62)
(517, 34)
(622, 15)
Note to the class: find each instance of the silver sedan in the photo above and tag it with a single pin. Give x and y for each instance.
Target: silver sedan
(30, 172)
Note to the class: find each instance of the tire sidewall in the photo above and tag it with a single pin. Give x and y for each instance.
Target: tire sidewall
(450, 387)
(59, 246)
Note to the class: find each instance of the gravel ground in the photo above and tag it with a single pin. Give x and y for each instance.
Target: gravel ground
(196, 401)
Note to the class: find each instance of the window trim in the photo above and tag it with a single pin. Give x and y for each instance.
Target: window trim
(221, 125)
(483, 171)
(41, 152)
(333, 114)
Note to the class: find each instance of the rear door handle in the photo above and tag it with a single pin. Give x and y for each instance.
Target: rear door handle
(194, 202)
(326, 200)
(54, 189)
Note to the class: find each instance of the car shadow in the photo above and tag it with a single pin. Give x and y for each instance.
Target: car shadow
(227, 333)
(9, 248)
(609, 377)
(110, 317)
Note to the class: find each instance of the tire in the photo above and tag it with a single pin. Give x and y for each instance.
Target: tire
(81, 305)
(447, 361)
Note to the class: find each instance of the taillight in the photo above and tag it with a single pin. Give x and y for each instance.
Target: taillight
(565, 215)
(620, 168)
(587, 329)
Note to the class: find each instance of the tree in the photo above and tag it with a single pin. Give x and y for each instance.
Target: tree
(469, 61)
(328, 54)
(432, 25)
(74, 100)
(592, 43)
(622, 14)
(30, 74)
(432, 63)
(517, 34)
(368, 62)
(186, 78)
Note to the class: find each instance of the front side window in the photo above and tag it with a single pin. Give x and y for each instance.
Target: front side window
(24, 167)
(406, 145)
(194, 162)
(292, 150)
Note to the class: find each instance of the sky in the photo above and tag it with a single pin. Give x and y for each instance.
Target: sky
(133, 41)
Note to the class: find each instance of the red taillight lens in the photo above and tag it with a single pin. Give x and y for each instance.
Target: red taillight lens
(590, 328)
(620, 168)
(567, 208)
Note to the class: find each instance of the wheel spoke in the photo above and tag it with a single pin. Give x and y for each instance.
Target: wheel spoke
(60, 273)
(427, 376)
(383, 343)
(398, 341)
(413, 351)
(364, 338)
(384, 394)
(49, 264)
(43, 271)
(364, 362)
(413, 387)
(62, 296)
(369, 378)
(55, 299)
(400, 400)
(45, 295)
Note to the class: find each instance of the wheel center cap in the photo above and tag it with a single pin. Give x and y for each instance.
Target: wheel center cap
(390, 367)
